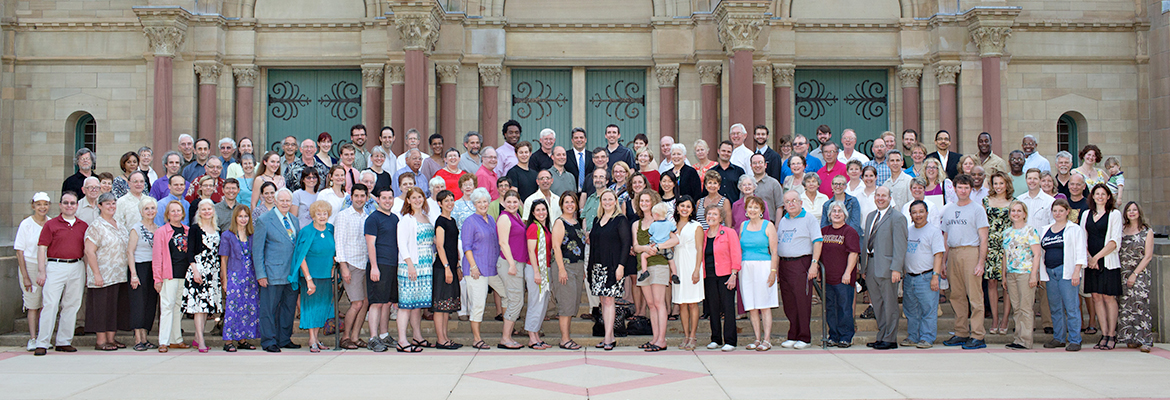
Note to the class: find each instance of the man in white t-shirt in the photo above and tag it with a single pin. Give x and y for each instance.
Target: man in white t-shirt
(925, 250)
(849, 148)
(964, 227)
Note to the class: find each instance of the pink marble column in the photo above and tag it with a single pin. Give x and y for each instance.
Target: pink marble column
(448, 77)
(709, 101)
(909, 76)
(208, 72)
(245, 86)
(396, 74)
(782, 75)
(992, 109)
(489, 101)
(372, 79)
(163, 108)
(415, 96)
(667, 75)
(947, 72)
(742, 98)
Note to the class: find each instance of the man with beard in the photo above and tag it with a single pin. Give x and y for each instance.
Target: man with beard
(771, 158)
(84, 159)
(824, 135)
(469, 161)
(991, 162)
(357, 135)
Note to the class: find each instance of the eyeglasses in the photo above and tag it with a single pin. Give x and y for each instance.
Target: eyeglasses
(68, 203)
(792, 201)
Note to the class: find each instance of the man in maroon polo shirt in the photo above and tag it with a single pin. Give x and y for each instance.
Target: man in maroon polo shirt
(60, 252)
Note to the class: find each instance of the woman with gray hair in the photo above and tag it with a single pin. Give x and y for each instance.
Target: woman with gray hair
(377, 158)
(747, 188)
(139, 253)
(841, 247)
(105, 253)
(481, 250)
(811, 198)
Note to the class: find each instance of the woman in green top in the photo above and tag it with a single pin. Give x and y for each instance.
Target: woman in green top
(313, 255)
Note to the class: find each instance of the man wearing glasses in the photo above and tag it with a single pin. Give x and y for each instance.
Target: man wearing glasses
(62, 275)
(800, 147)
(946, 157)
(544, 181)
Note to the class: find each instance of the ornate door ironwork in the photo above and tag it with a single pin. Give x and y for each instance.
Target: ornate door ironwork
(854, 99)
(304, 103)
(542, 99)
(615, 97)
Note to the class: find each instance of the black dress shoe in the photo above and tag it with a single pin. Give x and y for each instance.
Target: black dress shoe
(873, 344)
(1048, 330)
(40, 351)
(291, 345)
(885, 346)
(272, 349)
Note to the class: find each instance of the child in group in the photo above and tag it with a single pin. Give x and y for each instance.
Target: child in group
(1116, 182)
(660, 231)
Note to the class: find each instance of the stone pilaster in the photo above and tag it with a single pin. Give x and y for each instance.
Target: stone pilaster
(782, 77)
(908, 76)
(208, 72)
(245, 75)
(372, 75)
(667, 75)
(165, 29)
(448, 72)
(489, 112)
(947, 72)
(372, 80)
(245, 85)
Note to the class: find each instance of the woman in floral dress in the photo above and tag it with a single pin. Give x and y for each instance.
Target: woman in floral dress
(1137, 249)
(241, 319)
(202, 295)
(998, 199)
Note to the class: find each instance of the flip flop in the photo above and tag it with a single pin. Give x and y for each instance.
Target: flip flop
(508, 346)
(570, 345)
(481, 345)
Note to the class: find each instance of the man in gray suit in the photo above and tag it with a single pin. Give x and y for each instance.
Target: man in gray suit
(884, 241)
(272, 253)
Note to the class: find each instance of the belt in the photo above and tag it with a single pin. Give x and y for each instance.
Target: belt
(920, 273)
(62, 260)
(795, 258)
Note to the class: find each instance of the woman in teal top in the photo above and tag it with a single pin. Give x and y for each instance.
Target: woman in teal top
(314, 254)
(757, 276)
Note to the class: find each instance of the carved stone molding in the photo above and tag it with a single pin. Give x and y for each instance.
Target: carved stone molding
(396, 73)
(245, 75)
(760, 74)
(372, 75)
(208, 72)
(165, 29)
(448, 72)
(740, 23)
(946, 72)
(417, 25)
(991, 39)
(782, 75)
(709, 72)
(909, 75)
(667, 75)
(489, 74)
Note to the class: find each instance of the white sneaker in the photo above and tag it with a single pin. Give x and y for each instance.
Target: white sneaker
(801, 345)
(728, 347)
(788, 344)
(712, 346)
(32, 344)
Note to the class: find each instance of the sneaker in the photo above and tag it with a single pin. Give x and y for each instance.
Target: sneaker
(868, 313)
(801, 345)
(844, 344)
(712, 346)
(1052, 344)
(906, 343)
(788, 344)
(956, 341)
(1073, 347)
(924, 344)
(1015, 346)
(376, 345)
(728, 347)
(974, 344)
(32, 344)
(829, 343)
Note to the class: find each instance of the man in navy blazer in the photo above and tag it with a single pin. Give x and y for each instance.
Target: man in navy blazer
(272, 253)
(884, 243)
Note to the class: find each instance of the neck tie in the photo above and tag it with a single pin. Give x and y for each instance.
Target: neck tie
(873, 230)
(287, 226)
(580, 169)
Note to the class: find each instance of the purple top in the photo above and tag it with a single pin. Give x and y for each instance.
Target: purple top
(161, 188)
(739, 213)
(938, 190)
(480, 238)
(517, 238)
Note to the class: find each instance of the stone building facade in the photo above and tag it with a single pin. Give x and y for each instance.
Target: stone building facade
(138, 72)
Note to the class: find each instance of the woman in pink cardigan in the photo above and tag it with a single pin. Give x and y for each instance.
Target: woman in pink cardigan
(719, 266)
(170, 267)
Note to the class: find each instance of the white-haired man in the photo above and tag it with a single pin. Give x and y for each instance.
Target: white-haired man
(741, 156)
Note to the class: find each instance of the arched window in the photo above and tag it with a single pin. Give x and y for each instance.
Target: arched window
(1066, 134)
(86, 132)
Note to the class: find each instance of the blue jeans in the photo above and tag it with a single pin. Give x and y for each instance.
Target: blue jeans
(920, 304)
(1064, 302)
(839, 312)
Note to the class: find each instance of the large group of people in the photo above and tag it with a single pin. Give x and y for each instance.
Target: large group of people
(256, 241)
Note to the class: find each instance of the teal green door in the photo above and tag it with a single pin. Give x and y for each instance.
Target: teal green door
(542, 98)
(304, 103)
(615, 96)
(841, 99)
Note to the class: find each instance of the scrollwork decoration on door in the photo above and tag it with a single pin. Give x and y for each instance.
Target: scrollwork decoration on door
(286, 100)
(869, 99)
(812, 99)
(619, 101)
(344, 100)
(541, 101)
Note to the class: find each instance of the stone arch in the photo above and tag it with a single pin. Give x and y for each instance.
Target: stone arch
(308, 9)
(844, 9)
(69, 132)
(1079, 132)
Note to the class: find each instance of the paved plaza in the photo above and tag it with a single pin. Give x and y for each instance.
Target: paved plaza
(625, 373)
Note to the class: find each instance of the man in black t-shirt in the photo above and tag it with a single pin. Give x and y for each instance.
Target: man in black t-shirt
(381, 273)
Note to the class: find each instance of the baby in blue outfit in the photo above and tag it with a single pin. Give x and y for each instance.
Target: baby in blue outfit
(660, 231)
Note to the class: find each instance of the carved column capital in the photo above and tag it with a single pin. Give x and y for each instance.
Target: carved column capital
(396, 73)
(760, 74)
(991, 39)
(667, 75)
(417, 25)
(448, 72)
(208, 72)
(909, 75)
(709, 72)
(782, 75)
(489, 74)
(946, 72)
(245, 75)
(372, 75)
(165, 28)
(738, 31)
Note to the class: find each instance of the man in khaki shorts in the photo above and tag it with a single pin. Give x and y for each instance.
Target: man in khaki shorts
(352, 255)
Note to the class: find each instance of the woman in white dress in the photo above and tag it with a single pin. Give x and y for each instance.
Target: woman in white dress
(865, 195)
(688, 292)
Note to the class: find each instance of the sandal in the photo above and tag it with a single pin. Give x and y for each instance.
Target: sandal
(105, 347)
(120, 345)
(481, 345)
(539, 346)
(644, 346)
(163, 349)
(243, 345)
(753, 345)
(140, 347)
(361, 344)
(408, 349)
(609, 346)
(764, 346)
(570, 345)
(510, 346)
(449, 345)
(230, 348)
(314, 349)
(322, 346)
(1111, 344)
(347, 344)
(421, 343)
(1092, 330)
(149, 345)
(654, 349)
(600, 345)
(1101, 343)
(672, 317)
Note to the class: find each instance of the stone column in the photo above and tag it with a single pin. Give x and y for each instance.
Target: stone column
(909, 75)
(418, 26)
(397, 76)
(448, 76)
(489, 101)
(208, 72)
(991, 39)
(165, 30)
(739, 26)
(760, 74)
(946, 72)
(245, 85)
(782, 75)
(667, 75)
(372, 77)
(709, 101)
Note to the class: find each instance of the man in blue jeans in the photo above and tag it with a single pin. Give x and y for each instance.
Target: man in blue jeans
(925, 250)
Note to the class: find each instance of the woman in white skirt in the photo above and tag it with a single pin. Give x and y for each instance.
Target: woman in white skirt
(757, 279)
(689, 291)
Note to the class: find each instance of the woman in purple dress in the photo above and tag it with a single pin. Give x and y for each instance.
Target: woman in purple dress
(241, 319)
